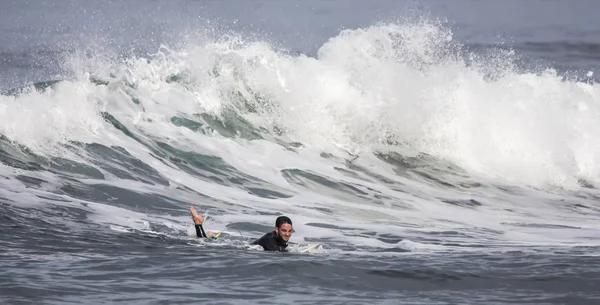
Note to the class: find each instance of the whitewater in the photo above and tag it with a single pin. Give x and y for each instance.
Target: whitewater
(430, 171)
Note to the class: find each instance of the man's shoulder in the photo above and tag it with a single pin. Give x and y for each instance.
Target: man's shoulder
(264, 238)
(269, 235)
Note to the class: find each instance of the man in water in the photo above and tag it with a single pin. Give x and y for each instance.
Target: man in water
(272, 241)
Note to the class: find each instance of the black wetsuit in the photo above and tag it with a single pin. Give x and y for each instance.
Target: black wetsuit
(271, 242)
(200, 231)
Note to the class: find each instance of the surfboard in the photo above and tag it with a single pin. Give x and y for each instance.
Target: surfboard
(311, 249)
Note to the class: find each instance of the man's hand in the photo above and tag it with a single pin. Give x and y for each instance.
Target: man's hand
(197, 218)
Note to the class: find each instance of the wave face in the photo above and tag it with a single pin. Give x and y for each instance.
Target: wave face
(374, 89)
(391, 139)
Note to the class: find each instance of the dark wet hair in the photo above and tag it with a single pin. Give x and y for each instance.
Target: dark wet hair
(281, 220)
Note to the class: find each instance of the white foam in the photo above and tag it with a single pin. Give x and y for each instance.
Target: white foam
(42, 120)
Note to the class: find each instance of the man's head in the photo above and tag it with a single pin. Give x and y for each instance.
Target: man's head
(283, 227)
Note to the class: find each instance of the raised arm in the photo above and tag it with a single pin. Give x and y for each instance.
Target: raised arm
(198, 221)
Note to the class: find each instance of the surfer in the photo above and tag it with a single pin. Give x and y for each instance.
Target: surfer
(275, 240)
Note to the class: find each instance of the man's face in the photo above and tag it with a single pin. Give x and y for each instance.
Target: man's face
(285, 231)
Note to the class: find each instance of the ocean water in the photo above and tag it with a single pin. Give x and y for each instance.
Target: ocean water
(440, 152)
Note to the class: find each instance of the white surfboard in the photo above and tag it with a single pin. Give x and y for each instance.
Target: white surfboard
(311, 249)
